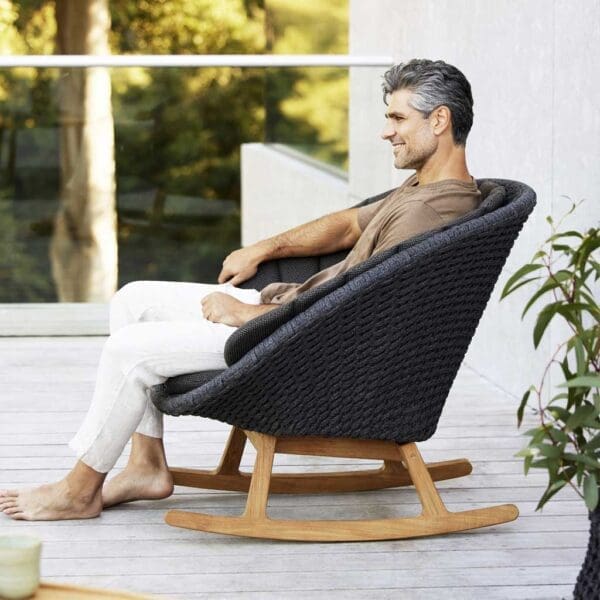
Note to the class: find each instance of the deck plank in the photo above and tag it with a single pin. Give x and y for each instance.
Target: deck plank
(47, 383)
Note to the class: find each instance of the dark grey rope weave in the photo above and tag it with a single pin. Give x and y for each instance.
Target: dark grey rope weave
(371, 354)
(586, 587)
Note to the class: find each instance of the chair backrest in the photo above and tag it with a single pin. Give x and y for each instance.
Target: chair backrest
(374, 358)
(291, 270)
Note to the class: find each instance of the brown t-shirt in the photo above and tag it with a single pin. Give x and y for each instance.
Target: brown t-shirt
(404, 213)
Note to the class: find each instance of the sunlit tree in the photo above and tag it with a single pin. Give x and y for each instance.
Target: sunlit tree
(84, 244)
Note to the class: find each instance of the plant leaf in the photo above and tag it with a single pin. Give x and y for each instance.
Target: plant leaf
(549, 450)
(571, 233)
(582, 460)
(589, 244)
(590, 491)
(521, 409)
(543, 320)
(572, 312)
(588, 380)
(557, 435)
(548, 286)
(527, 451)
(524, 270)
(558, 412)
(561, 396)
(521, 283)
(580, 357)
(562, 248)
(549, 492)
(593, 444)
(580, 416)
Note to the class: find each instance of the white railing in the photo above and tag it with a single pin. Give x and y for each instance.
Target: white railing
(194, 60)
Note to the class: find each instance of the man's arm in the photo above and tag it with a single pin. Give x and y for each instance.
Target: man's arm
(337, 231)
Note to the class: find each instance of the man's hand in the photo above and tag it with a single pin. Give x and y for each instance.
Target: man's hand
(241, 264)
(223, 308)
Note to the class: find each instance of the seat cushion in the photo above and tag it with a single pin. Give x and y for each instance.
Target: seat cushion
(181, 384)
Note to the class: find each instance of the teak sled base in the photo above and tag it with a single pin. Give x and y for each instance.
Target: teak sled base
(403, 465)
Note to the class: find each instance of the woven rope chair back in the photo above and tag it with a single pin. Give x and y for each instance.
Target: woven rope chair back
(375, 357)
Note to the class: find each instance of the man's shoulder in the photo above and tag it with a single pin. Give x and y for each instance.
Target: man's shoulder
(413, 208)
(447, 201)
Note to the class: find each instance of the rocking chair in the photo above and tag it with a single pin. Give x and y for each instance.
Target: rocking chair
(357, 367)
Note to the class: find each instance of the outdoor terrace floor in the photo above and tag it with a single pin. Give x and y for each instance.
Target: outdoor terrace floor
(46, 386)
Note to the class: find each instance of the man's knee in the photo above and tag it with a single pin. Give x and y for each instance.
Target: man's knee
(126, 295)
(126, 346)
(131, 288)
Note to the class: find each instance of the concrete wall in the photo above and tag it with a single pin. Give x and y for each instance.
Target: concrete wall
(532, 68)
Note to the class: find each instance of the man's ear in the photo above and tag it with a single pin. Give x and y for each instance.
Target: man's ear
(440, 119)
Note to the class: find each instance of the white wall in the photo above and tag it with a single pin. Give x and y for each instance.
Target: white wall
(280, 191)
(533, 69)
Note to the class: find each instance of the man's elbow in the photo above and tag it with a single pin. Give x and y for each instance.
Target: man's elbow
(353, 230)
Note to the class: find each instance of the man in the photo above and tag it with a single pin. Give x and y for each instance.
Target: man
(157, 330)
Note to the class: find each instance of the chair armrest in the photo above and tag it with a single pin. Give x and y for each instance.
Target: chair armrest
(291, 270)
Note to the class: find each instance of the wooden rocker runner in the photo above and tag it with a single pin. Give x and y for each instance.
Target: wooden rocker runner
(403, 465)
(357, 367)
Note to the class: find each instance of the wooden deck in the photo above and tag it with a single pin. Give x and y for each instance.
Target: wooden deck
(46, 384)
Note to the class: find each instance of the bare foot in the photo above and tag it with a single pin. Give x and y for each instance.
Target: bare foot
(138, 482)
(52, 502)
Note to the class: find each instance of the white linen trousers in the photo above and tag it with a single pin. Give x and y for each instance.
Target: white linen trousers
(157, 331)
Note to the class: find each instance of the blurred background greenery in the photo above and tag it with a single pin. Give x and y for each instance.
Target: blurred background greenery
(177, 131)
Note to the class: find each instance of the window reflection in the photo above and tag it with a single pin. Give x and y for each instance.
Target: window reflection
(147, 159)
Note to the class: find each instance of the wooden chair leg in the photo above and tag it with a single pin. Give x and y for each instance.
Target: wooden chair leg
(428, 494)
(434, 519)
(226, 476)
(232, 455)
(256, 505)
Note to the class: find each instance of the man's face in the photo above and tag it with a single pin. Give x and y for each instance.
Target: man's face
(411, 135)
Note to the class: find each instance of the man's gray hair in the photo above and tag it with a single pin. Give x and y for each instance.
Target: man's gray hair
(433, 84)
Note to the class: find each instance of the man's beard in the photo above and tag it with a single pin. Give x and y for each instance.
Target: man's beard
(414, 161)
(411, 162)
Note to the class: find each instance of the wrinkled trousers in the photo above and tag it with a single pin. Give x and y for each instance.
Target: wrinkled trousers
(157, 331)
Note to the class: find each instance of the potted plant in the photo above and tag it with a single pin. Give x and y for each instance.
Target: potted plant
(567, 440)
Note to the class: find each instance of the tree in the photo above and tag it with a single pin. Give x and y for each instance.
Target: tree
(84, 244)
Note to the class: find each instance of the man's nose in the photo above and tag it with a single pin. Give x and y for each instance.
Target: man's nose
(388, 131)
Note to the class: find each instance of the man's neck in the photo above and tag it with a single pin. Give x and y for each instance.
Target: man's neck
(453, 166)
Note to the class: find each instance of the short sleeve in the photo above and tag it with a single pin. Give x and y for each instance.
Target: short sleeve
(366, 213)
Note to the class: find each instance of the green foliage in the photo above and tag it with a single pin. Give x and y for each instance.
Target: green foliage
(567, 441)
(27, 279)
(180, 130)
(177, 131)
(308, 108)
